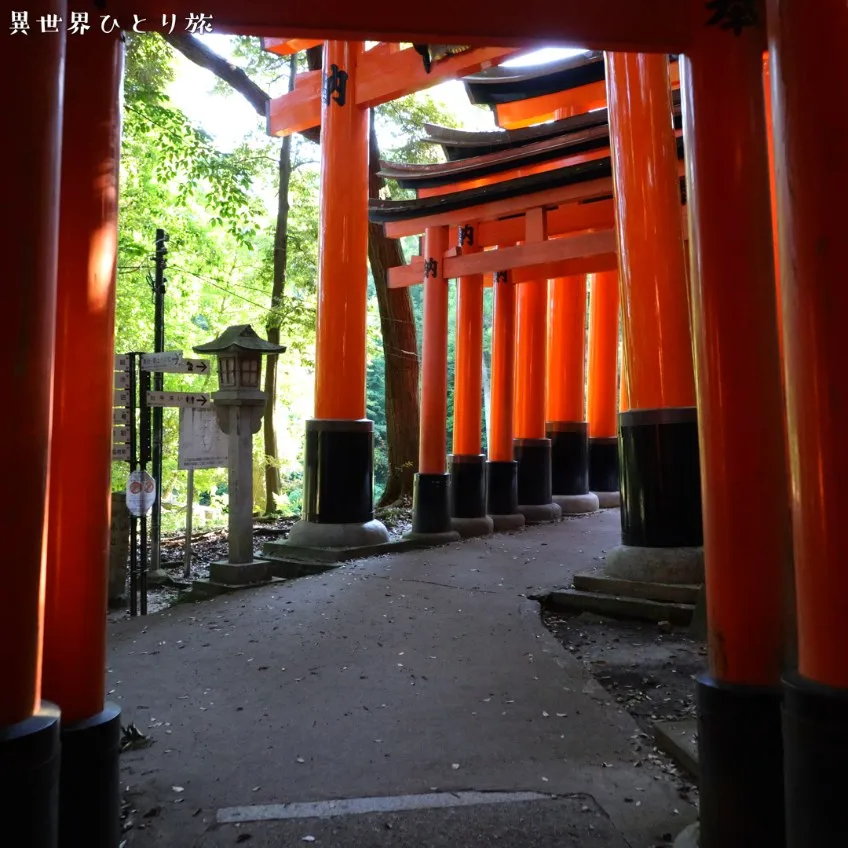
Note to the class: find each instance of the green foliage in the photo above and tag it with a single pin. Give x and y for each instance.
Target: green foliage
(219, 209)
(220, 212)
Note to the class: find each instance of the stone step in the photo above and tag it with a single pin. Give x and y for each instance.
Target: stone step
(668, 592)
(287, 569)
(285, 552)
(615, 606)
(679, 739)
(202, 590)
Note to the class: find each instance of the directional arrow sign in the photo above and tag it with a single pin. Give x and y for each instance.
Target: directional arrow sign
(182, 366)
(157, 361)
(197, 400)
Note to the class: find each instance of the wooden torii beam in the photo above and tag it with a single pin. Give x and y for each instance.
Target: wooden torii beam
(561, 104)
(287, 46)
(386, 72)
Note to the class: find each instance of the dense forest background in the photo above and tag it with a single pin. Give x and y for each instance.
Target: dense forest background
(242, 251)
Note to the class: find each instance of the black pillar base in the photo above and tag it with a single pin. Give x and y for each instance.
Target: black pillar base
(431, 503)
(740, 758)
(534, 471)
(29, 780)
(338, 476)
(467, 486)
(603, 465)
(502, 488)
(569, 457)
(90, 799)
(815, 739)
(660, 478)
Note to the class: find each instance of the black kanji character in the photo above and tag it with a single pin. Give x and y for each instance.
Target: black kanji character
(733, 14)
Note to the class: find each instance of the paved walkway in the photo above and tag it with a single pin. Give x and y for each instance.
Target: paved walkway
(425, 674)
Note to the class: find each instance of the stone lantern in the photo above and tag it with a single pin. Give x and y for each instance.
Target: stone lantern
(239, 405)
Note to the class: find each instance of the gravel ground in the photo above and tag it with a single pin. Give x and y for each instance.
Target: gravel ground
(647, 668)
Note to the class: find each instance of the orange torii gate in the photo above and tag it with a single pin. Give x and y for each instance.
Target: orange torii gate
(571, 197)
(338, 476)
(384, 72)
(749, 795)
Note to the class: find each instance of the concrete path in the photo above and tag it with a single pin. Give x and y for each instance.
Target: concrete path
(424, 674)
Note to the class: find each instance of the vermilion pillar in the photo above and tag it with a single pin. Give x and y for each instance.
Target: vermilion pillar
(661, 526)
(532, 447)
(467, 468)
(502, 469)
(431, 502)
(746, 514)
(338, 507)
(83, 380)
(601, 392)
(810, 125)
(29, 727)
(566, 425)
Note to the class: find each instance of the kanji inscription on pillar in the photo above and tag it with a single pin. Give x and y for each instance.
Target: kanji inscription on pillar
(733, 14)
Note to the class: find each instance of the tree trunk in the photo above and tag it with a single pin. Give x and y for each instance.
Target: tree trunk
(400, 351)
(273, 483)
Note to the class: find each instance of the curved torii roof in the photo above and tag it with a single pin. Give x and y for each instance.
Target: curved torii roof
(505, 84)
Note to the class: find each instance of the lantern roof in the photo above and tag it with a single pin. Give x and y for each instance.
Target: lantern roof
(239, 337)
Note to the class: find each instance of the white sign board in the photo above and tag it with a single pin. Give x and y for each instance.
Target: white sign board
(122, 362)
(122, 380)
(120, 416)
(121, 398)
(181, 366)
(141, 493)
(120, 453)
(156, 361)
(202, 442)
(190, 399)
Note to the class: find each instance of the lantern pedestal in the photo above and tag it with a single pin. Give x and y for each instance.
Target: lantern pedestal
(239, 573)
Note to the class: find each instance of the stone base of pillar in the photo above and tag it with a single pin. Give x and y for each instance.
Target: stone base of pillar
(540, 513)
(467, 486)
(740, 764)
(90, 788)
(311, 534)
(238, 573)
(815, 739)
(502, 488)
(569, 457)
(508, 523)
(535, 498)
(430, 504)
(433, 539)
(338, 487)
(660, 478)
(689, 838)
(468, 528)
(29, 775)
(656, 565)
(608, 500)
(577, 504)
(603, 464)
